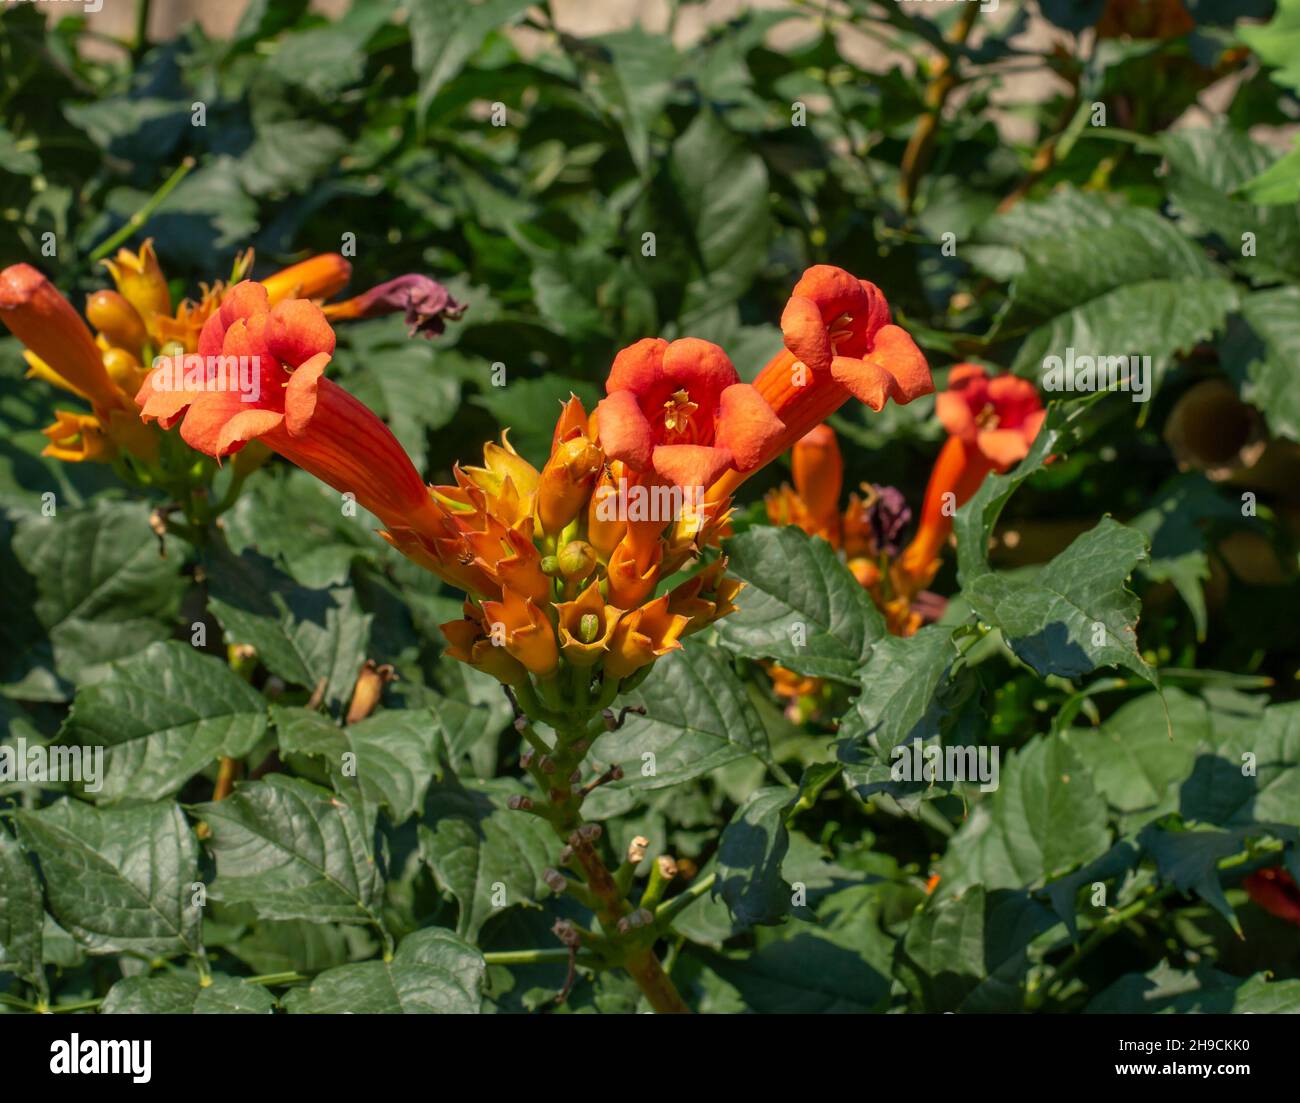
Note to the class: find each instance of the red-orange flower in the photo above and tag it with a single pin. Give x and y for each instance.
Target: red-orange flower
(840, 343)
(681, 411)
(284, 400)
(992, 422)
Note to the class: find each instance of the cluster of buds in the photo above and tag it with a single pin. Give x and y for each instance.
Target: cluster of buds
(561, 566)
(136, 324)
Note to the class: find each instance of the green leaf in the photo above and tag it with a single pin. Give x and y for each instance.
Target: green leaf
(1071, 264)
(1075, 614)
(1268, 362)
(971, 952)
(22, 913)
(807, 973)
(1278, 43)
(722, 186)
(1277, 184)
(1165, 990)
(698, 717)
(1189, 861)
(390, 756)
(163, 716)
(325, 60)
(637, 83)
(1206, 167)
(750, 853)
(289, 155)
(1159, 318)
(445, 34)
(801, 606)
(293, 851)
(902, 682)
(432, 973)
(184, 995)
(1131, 759)
(83, 587)
(488, 856)
(1043, 819)
(1174, 526)
(118, 880)
(300, 634)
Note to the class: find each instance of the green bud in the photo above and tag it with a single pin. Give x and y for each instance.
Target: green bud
(577, 560)
(589, 628)
(550, 565)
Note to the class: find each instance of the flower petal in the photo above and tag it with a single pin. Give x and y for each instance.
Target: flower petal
(867, 381)
(806, 334)
(300, 394)
(691, 465)
(896, 352)
(637, 368)
(747, 427)
(625, 434)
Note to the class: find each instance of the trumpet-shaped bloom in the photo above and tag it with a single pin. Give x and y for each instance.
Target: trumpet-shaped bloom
(681, 411)
(289, 405)
(992, 422)
(999, 415)
(642, 636)
(319, 277)
(840, 343)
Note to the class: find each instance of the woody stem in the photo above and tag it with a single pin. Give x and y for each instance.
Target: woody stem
(633, 949)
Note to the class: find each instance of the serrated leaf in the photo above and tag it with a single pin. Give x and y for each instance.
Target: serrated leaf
(1043, 819)
(483, 852)
(84, 587)
(118, 880)
(393, 753)
(22, 913)
(432, 973)
(163, 716)
(698, 718)
(1159, 318)
(293, 851)
(1189, 861)
(300, 634)
(901, 697)
(1074, 614)
(177, 995)
(801, 606)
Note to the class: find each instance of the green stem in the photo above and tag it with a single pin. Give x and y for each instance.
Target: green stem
(137, 220)
(141, 27)
(668, 911)
(529, 957)
(275, 979)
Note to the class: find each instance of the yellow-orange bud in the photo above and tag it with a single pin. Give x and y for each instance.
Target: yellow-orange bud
(642, 636)
(566, 483)
(318, 277)
(527, 633)
(117, 320)
(140, 280)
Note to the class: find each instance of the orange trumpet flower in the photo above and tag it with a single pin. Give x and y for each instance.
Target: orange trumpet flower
(283, 399)
(681, 411)
(992, 422)
(319, 277)
(840, 343)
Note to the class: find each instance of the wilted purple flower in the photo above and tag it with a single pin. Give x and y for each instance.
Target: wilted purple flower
(425, 301)
(888, 514)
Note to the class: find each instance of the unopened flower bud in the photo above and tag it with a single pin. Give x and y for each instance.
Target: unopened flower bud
(566, 482)
(124, 370)
(577, 559)
(550, 565)
(589, 628)
(116, 319)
